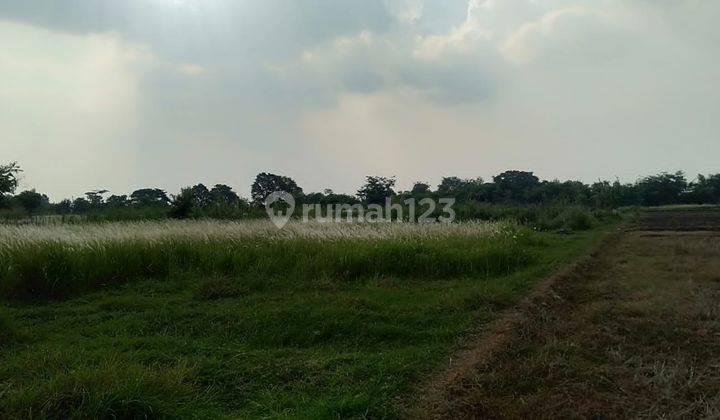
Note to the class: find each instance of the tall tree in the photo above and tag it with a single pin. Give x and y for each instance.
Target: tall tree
(80, 206)
(149, 197)
(183, 204)
(705, 190)
(32, 201)
(376, 189)
(516, 185)
(63, 207)
(266, 184)
(9, 178)
(462, 189)
(117, 201)
(223, 194)
(201, 196)
(420, 188)
(664, 188)
(96, 198)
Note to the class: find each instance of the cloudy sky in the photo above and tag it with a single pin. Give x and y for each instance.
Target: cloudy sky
(134, 93)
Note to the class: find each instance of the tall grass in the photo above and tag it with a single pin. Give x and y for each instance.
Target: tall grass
(58, 260)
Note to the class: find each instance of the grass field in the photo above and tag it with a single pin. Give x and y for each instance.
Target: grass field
(207, 319)
(633, 334)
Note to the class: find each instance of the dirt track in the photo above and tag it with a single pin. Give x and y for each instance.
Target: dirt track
(633, 331)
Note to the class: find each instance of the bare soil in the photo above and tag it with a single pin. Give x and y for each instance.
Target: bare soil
(632, 331)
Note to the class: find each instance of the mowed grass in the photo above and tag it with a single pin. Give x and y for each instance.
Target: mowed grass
(305, 328)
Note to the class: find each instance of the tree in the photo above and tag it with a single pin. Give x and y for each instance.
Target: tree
(516, 185)
(451, 186)
(328, 197)
(80, 206)
(96, 198)
(184, 204)
(462, 189)
(201, 196)
(663, 188)
(567, 192)
(420, 188)
(706, 190)
(117, 201)
(31, 201)
(223, 194)
(377, 189)
(63, 207)
(9, 178)
(149, 197)
(266, 184)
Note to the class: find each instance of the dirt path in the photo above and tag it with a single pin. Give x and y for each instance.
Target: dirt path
(634, 331)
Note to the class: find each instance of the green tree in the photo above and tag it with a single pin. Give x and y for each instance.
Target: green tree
(184, 204)
(80, 206)
(516, 185)
(377, 189)
(32, 201)
(420, 188)
(96, 198)
(63, 207)
(149, 197)
(223, 194)
(201, 196)
(664, 188)
(266, 184)
(8, 180)
(117, 201)
(461, 189)
(705, 190)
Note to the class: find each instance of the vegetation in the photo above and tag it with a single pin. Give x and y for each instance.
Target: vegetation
(111, 306)
(511, 192)
(239, 320)
(47, 261)
(632, 334)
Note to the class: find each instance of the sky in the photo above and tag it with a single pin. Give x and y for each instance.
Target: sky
(120, 95)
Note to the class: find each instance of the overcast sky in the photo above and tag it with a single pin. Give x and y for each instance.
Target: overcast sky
(138, 93)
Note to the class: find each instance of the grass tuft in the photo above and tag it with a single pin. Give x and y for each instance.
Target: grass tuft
(113, 389)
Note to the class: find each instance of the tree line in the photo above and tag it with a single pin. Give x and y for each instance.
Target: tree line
(220, 201)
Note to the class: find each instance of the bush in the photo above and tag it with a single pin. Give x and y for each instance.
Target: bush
(569, 218)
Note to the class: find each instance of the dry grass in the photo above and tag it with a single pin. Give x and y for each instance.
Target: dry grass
(208, 230)
(635, 334)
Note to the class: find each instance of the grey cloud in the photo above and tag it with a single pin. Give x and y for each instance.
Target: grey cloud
(208, 28)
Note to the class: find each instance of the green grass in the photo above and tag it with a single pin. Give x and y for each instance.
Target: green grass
(55, 270)
(314, 332)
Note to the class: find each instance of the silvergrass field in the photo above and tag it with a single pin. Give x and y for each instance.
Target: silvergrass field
(239, 319)
(368, 209)
(60, 260)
